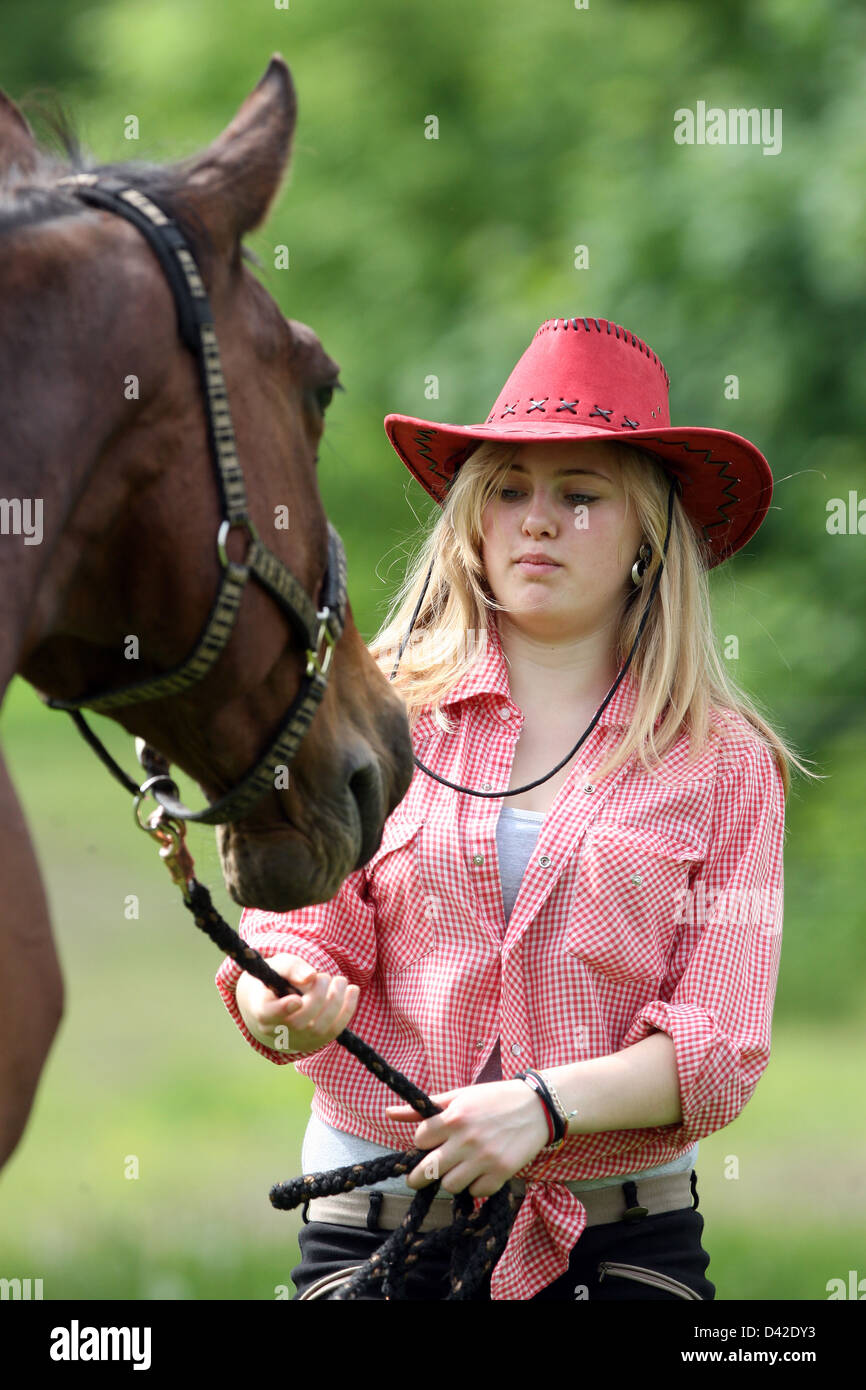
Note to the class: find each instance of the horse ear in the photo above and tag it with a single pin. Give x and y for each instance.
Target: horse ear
(17, 141)
(232, 183)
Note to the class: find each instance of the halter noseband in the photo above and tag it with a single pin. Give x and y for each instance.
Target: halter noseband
(319, 629)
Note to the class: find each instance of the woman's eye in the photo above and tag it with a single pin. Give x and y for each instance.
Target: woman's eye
(571, 497)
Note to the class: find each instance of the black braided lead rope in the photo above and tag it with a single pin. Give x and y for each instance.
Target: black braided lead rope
(475, 1239)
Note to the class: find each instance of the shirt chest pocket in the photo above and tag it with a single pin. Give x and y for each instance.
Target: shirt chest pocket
(630, 901)
(405, 912)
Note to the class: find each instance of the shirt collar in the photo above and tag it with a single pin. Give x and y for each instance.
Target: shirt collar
(489, 676)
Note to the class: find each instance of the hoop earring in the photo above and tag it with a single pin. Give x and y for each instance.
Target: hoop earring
(638, 569)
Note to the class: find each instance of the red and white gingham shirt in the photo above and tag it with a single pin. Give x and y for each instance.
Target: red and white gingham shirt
(649, 903)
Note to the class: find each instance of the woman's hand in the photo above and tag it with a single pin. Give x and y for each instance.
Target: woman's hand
(484, 1136)
(297, 1023)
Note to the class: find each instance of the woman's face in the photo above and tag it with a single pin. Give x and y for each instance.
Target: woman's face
(563, 500)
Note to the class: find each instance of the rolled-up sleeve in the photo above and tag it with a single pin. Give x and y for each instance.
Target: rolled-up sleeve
(720, 989)
(337, 937)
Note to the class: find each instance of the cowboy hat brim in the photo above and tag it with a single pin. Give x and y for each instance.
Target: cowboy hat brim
(727, 484)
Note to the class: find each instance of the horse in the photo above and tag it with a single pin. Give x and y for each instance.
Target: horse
(113, 529)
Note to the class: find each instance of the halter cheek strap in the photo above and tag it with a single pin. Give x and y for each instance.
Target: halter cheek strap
(318, 629)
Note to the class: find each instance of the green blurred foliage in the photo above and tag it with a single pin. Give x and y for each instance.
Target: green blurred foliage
(414, 257)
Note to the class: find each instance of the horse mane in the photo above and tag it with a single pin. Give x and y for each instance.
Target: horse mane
(31, 196)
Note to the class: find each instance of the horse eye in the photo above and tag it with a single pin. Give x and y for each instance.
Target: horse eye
(324, 396)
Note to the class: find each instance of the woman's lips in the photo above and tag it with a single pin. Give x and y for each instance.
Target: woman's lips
(537, 566)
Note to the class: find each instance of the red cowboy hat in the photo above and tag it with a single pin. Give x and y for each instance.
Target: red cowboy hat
(592, 379)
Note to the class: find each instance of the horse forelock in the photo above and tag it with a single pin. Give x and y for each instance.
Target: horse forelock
(29, 196)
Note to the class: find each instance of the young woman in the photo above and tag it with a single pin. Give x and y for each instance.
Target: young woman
(579, 967)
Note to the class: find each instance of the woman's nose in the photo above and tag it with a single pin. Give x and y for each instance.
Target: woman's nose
(539, 514)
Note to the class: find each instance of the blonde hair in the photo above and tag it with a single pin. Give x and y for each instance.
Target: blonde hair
(676, 658)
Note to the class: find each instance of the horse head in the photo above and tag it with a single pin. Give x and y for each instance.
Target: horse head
(104, 426)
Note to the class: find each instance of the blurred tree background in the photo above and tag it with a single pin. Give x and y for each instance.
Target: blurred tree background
(416, 257)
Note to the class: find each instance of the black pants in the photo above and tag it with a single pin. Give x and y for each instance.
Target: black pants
(655, 1257)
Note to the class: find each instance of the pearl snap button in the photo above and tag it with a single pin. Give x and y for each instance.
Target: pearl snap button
(636, 879)
(486, 786)
(504, 712)
(478, 859)
(516, 1049)
(589, 787)
(543, 860)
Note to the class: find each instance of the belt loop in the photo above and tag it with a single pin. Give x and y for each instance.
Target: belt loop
(694, 1184)
(633, 1212)
(373, 1210)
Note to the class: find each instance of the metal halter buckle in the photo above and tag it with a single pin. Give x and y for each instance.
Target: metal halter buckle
(170, 835)
(222, 536)
(324, 635)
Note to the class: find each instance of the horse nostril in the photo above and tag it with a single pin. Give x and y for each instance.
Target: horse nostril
(366, 788)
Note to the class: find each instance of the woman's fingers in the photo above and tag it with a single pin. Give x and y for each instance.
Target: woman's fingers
(320, 1005)
(272, 1008)
(319, 1021)
(335, 1010)
(315, 1016)
(353, 993)
(453, 1171)
(407, 1112)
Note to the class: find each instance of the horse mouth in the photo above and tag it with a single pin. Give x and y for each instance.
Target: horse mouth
(282, 868)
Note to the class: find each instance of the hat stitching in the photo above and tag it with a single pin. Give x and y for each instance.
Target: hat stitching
(422, 440)
(446, 478)
(715, 463)
(538, 404)
(626, 337)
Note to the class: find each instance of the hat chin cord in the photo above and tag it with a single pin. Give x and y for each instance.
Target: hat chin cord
(637, 574)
